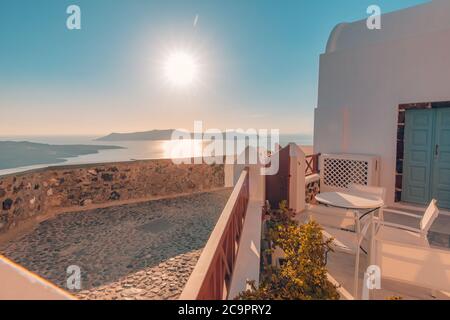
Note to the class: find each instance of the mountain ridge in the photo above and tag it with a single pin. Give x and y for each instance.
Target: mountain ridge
(153, 135)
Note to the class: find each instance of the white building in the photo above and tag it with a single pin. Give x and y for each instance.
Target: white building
(368, 78)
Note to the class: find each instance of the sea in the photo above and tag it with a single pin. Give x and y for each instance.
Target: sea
(132, 150)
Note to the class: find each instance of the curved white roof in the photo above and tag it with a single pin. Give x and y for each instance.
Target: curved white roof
(419, 20)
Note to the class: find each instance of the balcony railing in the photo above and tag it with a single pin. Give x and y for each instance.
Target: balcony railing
(212, 275)
(312, 164)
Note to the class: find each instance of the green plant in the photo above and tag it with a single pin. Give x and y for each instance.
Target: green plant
(303, 275)
(278, 218)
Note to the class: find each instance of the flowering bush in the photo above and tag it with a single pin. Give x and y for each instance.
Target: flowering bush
(303, 274)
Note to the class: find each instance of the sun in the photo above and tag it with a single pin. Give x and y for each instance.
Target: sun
(181, 69)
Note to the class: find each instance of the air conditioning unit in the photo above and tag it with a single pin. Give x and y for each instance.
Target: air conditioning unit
(338, 171)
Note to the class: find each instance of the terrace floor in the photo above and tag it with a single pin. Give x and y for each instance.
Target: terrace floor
(342, 265)
(137, 251)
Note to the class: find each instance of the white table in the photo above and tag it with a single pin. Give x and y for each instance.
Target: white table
(350, 200)
(362, 204)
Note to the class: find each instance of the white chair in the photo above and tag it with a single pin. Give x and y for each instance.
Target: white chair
(332, 217)
(377, 192)
(401, 233)
(337, 221)
(345, 227)
(404, 254)
(342, 218)
(344, 241)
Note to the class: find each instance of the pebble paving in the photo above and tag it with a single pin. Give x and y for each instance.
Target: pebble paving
(138, 251)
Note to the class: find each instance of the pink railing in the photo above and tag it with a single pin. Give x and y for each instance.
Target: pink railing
(211, 278)
(312, 164)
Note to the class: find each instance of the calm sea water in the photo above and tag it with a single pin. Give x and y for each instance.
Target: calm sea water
(133, 150)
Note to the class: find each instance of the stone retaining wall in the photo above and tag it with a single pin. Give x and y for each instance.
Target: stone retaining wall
(28, 195)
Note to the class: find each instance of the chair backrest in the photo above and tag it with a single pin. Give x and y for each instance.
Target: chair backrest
(375, 191)
(430, 215)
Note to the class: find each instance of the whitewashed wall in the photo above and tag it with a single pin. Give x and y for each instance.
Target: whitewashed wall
(365, 75)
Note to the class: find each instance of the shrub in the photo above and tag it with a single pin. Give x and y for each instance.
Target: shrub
(303, 274)
(277, 218)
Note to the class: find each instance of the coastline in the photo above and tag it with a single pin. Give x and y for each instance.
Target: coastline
(130, 151)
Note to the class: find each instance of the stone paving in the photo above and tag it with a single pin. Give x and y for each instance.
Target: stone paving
(137, 251)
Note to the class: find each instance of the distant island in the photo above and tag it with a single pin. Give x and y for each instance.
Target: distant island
(19, 154)
(154, 135)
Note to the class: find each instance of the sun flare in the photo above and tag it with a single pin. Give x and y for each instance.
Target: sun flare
(181, 69)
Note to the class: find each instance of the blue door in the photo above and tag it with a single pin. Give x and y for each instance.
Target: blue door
(441, 160)
(426, 166)
(417, 156)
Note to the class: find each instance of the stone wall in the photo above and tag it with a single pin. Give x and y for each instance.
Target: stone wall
(28, 195)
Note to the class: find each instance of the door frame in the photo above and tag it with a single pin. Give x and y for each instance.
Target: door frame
(427, 163)
(402, 108)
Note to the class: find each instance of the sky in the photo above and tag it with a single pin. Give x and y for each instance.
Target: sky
(257, 63)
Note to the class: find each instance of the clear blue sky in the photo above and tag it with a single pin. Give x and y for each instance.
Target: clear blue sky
(259, 63)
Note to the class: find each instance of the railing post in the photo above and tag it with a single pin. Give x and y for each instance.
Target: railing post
(229, 175)
(297, 178)
(257, 184)
(316, 163)
(232, 173)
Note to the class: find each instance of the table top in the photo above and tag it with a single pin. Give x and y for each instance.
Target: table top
(350, 200)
